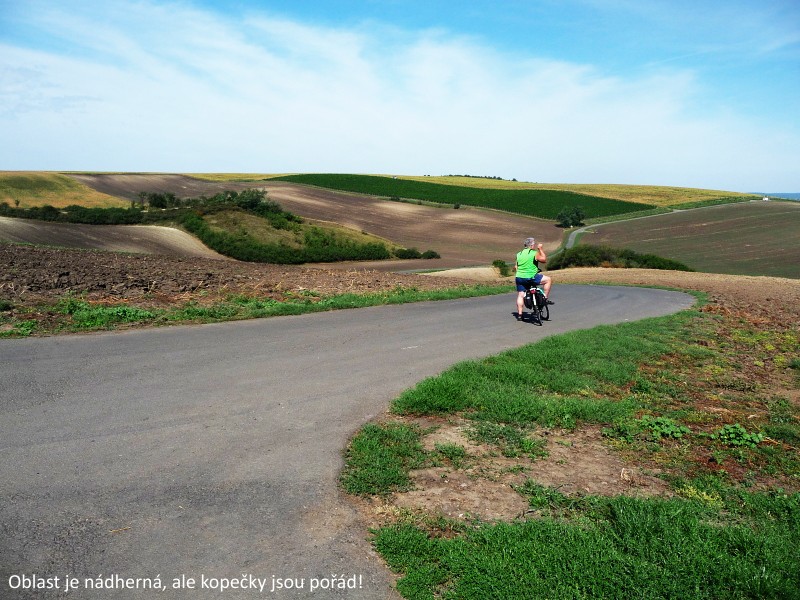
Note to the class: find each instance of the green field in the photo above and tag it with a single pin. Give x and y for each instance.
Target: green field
(754, 238)
(655, 195)
(543, 204)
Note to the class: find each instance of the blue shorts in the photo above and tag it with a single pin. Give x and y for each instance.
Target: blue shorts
(523, 283)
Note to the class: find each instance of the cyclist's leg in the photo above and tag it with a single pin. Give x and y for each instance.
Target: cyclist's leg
(520, 304)
(546, 283)
(521, 289)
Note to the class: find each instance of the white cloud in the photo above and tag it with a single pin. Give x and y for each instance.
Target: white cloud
(177, 89)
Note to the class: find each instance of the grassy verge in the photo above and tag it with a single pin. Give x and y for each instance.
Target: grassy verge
(704, 399)
(74, 314)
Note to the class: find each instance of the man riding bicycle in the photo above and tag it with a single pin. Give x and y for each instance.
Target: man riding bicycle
(528, 273)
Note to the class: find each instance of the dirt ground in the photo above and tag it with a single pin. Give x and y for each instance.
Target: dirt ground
(32, 274)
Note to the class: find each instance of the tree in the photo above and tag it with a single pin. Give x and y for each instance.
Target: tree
(571, 216)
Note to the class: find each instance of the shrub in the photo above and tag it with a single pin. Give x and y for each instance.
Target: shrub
(607, 256)
(502, 266)
(407, 253)
(430, 254)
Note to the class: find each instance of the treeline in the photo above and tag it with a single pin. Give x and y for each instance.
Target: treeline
(318, 245)
(162, 207)
(607, 256)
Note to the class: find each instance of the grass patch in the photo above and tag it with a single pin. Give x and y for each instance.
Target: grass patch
(565, 380)
(24, 189)
(607, 548)
(71, 313)
(380, 457)
(645, 194)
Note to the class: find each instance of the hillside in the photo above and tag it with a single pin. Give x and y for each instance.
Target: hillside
(753, 238)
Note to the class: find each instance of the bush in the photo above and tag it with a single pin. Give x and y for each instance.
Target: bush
(606, 256)
(571, 216)
(502, 266)
(430, 254)
(407, 253)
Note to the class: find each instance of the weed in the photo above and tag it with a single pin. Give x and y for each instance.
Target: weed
(735, 435)
(663, 427)
(512, 441)
(455, 453)
(19, 329)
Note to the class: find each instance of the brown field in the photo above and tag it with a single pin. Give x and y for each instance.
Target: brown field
(753, 238)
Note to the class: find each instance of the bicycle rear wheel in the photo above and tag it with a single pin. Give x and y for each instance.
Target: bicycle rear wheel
(544, 311)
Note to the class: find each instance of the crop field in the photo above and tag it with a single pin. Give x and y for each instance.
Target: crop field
(653, 195)
(543, 204)
(27, 189)
(755, 238)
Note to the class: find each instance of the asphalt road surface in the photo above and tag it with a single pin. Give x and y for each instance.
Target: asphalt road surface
(212, 452)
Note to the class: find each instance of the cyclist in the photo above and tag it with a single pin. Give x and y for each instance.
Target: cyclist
(528, 273)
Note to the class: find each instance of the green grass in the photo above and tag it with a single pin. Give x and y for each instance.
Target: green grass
(380, 457)
(559, 382)
(544, 204)
(608, 548)
(72, 313)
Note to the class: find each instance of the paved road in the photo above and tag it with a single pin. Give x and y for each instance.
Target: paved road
(213, 451)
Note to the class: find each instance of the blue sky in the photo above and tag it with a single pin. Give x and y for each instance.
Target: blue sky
(662, 92)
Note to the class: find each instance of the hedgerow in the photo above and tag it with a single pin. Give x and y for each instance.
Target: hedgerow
(607, 256)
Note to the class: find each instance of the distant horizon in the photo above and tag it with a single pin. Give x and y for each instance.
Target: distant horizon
(672, 93)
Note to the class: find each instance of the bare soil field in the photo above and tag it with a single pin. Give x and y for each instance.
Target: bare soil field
(141, 239)
(33, 274)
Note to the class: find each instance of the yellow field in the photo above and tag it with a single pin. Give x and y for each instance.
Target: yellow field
(644, 194)
(25, 189)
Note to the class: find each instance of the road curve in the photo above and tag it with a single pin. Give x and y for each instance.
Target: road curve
(213, 451)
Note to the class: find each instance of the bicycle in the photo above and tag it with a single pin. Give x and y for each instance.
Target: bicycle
(536, 302)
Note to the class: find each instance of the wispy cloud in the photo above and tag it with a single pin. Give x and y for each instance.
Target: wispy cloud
(146, 86)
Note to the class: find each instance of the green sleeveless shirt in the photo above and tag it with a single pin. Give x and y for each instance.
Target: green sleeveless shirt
(526, 263)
